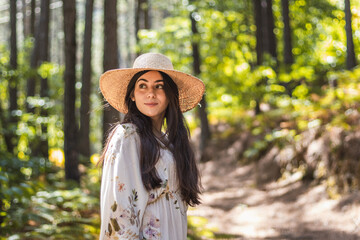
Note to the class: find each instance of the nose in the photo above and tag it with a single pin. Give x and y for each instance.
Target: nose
(151, 93)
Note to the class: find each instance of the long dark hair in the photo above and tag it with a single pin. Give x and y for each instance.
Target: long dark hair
(177, 142)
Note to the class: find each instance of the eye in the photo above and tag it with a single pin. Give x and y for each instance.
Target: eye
(160, 86)
(141, 86)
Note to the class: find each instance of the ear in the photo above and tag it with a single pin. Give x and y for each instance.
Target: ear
(132, 97)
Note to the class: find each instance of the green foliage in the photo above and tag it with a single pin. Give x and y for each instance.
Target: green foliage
(36, 206)
(197, 229)
(313, 93)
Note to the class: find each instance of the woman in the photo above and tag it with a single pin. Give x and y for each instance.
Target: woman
(149, 177)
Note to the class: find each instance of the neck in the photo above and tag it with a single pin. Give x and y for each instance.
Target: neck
(157, 125)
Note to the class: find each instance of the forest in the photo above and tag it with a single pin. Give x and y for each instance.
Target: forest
(281, 111)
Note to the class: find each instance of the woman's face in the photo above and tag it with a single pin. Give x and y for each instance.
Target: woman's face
(149, 96)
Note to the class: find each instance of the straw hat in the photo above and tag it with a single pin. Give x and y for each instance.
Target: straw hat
(114, 83)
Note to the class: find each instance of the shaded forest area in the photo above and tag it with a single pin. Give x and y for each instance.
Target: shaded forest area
(282, 94)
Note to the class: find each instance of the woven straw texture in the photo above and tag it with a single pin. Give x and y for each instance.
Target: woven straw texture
(113, 83)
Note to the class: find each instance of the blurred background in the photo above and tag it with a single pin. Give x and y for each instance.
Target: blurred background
(277, 134)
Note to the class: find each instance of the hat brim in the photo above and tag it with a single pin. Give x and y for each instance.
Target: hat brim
(113, 85)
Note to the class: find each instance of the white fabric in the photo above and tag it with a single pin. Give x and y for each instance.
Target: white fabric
(128, 210)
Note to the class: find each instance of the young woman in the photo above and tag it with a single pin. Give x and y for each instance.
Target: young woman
(149, 176)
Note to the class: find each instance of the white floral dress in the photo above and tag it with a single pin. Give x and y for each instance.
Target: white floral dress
(128, 210)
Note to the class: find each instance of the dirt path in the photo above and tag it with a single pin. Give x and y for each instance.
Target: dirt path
(289, 209)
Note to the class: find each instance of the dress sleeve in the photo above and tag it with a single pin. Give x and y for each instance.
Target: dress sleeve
(123, 196)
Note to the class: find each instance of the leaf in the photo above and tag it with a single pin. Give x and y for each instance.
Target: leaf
(114, 206)
(115, 224)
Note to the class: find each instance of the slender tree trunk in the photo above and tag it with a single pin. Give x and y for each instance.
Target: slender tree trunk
(259, 41)
(137, 18)
(34, 60)
(142, 18)
(270, 29)
(10, 136)
(26, 25)
(259, 32)
(265, 36)
(84, 143)
(44, 57)
(111, 58)
(70, 128)
(204, 123)
(32, 17)
(288, 56)
(350, 53)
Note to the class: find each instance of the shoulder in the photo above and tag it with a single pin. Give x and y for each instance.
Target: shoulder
(123, 132)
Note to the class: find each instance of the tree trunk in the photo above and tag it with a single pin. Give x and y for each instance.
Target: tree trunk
(204, 123)
(11, 125)
(84, 142)
(142, 18)
(70, 128)
(265, 36)
(259, 42)
(110, 60)
(26, 25)
(40, 146)
(32, 80)
(350, 53)
(44, 57)
(271, 39)
(28, 20)
(259, 32)
(288, 56)
(32, 18)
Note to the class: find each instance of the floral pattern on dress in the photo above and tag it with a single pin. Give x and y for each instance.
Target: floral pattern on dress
(167, 193)
(151, 227)
(120, 216)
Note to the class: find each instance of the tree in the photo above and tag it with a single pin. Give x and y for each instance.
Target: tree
(259, 32)
(204, 123)
(10, 137)
(84, 143)
(40, 55)
(142, 17)
(265, 38)
(269, 35)
(350, 53)
(288, 56)
(43, 147)
(28, 24)
(70, 128)
(111, 59)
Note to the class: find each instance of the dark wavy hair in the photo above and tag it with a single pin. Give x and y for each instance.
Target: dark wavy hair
(177, 142)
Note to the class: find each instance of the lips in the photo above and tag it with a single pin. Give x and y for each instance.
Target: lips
(151, 104)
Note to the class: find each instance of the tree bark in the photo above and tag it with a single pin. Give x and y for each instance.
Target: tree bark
(271, 39)
(32, 17)
(204, 123)
(265, 36)
(11, 125)
(111, 59)
(26, 25)
(350, 52)
(142, 18)
(40, 146)
(259, 32)
(70, 128)
(44, 57)
(84, 142)
(32, 80)
(288, 56)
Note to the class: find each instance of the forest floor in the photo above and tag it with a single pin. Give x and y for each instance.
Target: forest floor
(289, 209)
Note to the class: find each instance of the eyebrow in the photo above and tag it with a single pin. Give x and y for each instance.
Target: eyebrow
(143, 79)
